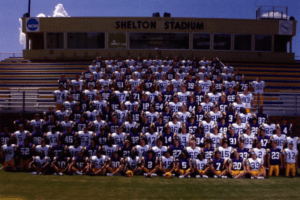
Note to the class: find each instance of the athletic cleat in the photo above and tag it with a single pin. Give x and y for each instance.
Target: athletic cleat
(215, 176)
(61, 174)
(41, 173)
(79, 173)
(153, 175)
(109, 174)
(224, 177)
(252, 177)
(55, 174)
(260, 177)
(198, 176)
(33, 173)
(204, 176)
(181, 176)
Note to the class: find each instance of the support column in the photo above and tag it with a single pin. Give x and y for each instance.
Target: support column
(291, 44)
(27, 42)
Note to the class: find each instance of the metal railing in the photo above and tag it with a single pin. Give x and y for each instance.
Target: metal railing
(15, 101)
(11, 55)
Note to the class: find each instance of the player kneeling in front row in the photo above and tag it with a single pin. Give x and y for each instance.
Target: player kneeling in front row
(167, 164)
(98, 163)
(115, 164)
(183, 164)
(200, 166)
(255, 167)
(237, 167)
(40, 164)
(132, 164)
(290, 160)
(218, 167)
(60, 164)
(149, 164)
(79, 164)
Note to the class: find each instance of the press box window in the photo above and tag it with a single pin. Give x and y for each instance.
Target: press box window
(222, 42)
(201, 41)
(86, 40)
(242, 42)
(263, 43)
(55, 40)
(117, 40)
(159, 40)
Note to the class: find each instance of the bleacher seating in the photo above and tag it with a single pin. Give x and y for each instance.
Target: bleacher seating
(41, 79)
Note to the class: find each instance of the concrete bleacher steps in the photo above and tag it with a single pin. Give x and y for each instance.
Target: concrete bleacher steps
(21, 75)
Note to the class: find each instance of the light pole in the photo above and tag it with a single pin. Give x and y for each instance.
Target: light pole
(29, 2)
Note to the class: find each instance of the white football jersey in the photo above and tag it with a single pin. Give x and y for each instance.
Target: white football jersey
(79, 83)
(85, 138)
(122, 95)
(109, 150)
(183, 97)
(238, 106)
(167, 162)
(248, 140)
(258, 87)
(239, 128)
(174, 127)
(201, 164)
(215, 116)
(255, 164)
(279, 139)
(41, 162)
(290, 155)
(176, 85)
(245, 117)
(269, 129)
(122, 114)
(246, 99)
(74, 150)
(260, 153)
(132, 162)
(34, 124)
(151, 116)
(52, 137)
(207, 106)
(215, 139)
(119, 138)
(225, 153)
(207, 127)
(193, 153)
(45, 149)
(214, 97)
(98, 125)
(205, 85)
(99, 162)
(9, 151)
(151, 138)
(184, 139)
(175, 107)
(133, 83)
(183, 117)
(20, 136)
(61, 96)
(295, 140)
(141, 150)
(159, 152)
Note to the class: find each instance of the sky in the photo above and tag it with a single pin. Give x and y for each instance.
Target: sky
(12, 10)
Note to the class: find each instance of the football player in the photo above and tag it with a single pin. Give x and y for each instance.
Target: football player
(279, 138)
(167, 164)
(159, 149)
(255, 167)
(60, 164)
(274, 159)
(115, 164)
(149, 164)
(79, 164)
(237, 167)
(183, 165)
(131, 164)
(40, 164)
(25, 151)
(290, 160)
(218, 167)
(215, 137)
(200, 167)
(192, 150)
(98, 164)
(225, 150)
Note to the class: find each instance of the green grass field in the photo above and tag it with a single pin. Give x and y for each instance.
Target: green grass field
(26, 186)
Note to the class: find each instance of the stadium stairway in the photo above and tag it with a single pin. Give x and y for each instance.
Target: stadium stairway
(39, 80)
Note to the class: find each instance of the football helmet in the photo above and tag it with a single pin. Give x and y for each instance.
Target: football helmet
(168, 175)
(129, 173)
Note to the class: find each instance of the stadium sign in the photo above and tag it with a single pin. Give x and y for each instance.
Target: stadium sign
(173, 25)
(32, 25)
(285, 27)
